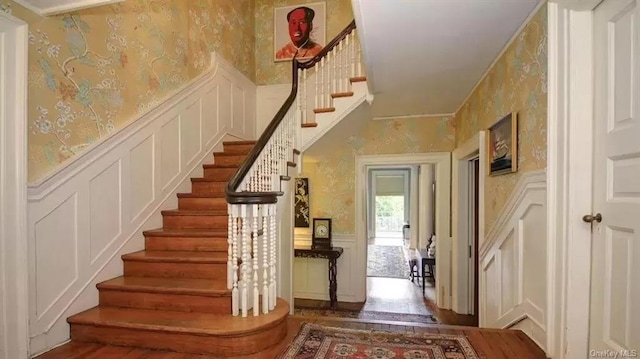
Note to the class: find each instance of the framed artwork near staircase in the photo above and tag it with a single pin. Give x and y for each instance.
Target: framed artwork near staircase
(502, 151)
(299, 31)
(301, 203)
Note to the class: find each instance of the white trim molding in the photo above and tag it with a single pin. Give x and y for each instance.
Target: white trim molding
(14, 310)
(460, 202)
(82, 218)
(569, 160)
(435, 116)
(53, 7)
(442, 162)
(512, 284)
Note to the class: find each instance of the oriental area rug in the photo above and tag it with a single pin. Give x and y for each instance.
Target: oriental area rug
(320, 342)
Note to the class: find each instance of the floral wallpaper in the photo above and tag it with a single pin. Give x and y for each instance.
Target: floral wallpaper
(332, 174)
(268, 72)
(93, 71)
(517, 82)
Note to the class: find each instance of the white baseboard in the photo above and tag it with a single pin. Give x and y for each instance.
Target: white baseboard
(82, 218)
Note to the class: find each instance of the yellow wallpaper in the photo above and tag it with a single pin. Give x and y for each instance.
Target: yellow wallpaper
(517, 82)
(332, 174)
(92, 72)
(268, 72)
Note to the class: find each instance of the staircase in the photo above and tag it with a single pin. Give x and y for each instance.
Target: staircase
(173, 295)
(206, 282)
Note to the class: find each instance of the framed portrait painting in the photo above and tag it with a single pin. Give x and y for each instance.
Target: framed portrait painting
(299, 31)
(502, 149)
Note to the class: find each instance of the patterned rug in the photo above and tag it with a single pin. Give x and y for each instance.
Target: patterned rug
(366, 315)
(320, 342)
(387, 261)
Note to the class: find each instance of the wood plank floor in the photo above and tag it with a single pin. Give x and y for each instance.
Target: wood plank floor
(488, 343)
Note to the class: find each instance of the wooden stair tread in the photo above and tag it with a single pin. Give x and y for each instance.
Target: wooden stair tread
(201, 195)
(186, 232)
(231, 143)
(323, 110)
(341, 94)
(192, 286)
(177, 256)
(231, 154)
(193, 212)
(181, 322)
(204, 179)
(213, 165)
(309, 124)
(358, 79)
(291, 164)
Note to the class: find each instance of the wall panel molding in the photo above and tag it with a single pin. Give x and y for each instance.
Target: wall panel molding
(513, 278)
(311, 276)
(117, 190)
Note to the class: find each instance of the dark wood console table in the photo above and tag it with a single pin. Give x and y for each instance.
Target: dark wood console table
(332, 254)
(427, 261)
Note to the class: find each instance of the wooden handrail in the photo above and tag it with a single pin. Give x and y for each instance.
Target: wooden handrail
(245, 197)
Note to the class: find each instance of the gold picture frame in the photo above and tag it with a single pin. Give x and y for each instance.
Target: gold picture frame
(502, 146)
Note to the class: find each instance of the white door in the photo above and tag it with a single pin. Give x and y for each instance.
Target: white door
(615, 272)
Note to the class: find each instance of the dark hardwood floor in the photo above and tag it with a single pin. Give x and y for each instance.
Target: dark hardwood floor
(488, 343)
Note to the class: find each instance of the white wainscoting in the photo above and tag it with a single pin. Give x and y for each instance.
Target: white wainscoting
(269, 99)
(82, 218)
(311, 275)
(513, 262)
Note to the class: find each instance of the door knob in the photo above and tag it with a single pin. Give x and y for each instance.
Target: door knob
(590, 218)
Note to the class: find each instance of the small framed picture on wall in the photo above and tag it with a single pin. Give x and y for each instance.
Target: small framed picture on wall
(502, 151)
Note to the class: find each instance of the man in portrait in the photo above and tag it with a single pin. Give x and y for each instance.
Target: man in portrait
(300, 22)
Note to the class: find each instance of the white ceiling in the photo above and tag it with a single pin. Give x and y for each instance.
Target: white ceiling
(425, 56)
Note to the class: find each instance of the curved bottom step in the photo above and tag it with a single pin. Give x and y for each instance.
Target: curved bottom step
(193, 333)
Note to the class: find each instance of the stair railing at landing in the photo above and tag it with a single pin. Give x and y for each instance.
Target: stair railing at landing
(253, 191)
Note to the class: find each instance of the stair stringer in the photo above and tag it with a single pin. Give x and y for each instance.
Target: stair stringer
(343, 105)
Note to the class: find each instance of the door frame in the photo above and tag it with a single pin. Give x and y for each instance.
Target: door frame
(569, 175)
(461, 204)
(442, 162)
(13, 186)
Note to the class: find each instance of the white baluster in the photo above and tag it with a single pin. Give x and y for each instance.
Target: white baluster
(304, 98)
(235, 300)
(339, 67)
(254, 230)
(359, 61)
(345, 65)
(317, 87)
(265, 254)
(332, 69)
(353, 54)
(322, 84)
(272, 258)
(244, 295)
(229, 248)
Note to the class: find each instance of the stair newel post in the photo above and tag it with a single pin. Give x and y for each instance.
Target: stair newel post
(244, 295)
(254, 231)
(265, 254)
(235, 300)
(272, 256)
